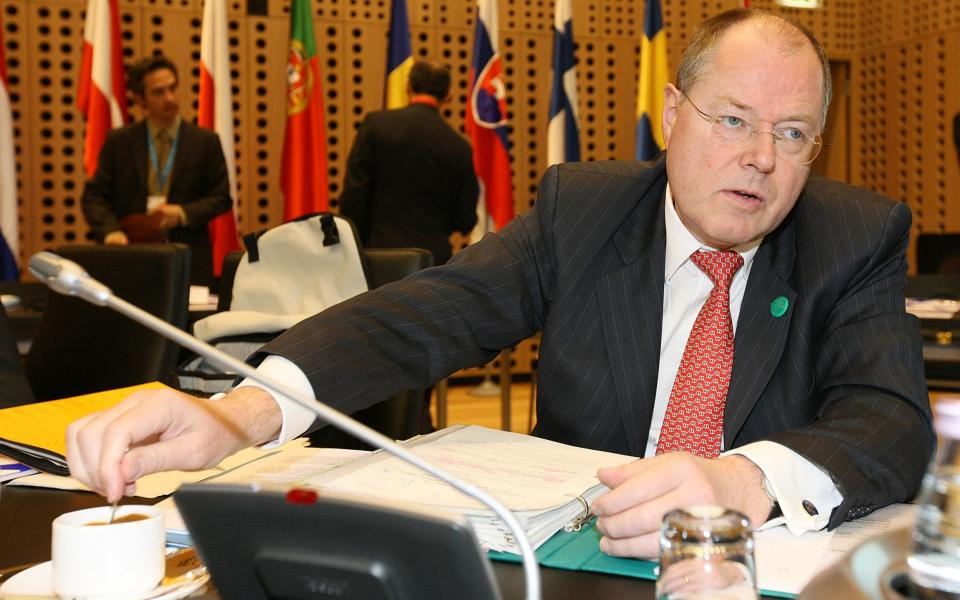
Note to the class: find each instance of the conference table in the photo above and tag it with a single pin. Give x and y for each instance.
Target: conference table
(26, 515)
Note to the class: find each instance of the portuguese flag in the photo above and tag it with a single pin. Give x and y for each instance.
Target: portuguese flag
(303, 177)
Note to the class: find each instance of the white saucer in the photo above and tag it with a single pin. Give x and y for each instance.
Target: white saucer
(38, 581)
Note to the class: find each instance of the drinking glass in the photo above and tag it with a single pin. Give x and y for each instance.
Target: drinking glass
(706, 552)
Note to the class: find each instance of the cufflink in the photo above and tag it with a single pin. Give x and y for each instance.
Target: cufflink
(810, 508)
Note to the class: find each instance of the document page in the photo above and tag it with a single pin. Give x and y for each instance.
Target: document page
(778, 552)
(524, 472)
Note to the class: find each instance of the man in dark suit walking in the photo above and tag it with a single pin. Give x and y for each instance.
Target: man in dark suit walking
(734, 321)
(161, 179)
(410, 179)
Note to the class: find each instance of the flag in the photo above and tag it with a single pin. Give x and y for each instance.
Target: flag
(563, 137)
(399, 56)
(485, 120)
(101, 95)
(215, 111)
(303, 176)
(653, 78)
(9, 219)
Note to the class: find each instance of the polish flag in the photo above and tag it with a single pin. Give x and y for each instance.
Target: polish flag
(102, 96)
(215, 111)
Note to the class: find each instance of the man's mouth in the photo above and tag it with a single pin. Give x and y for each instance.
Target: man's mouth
(747, 195)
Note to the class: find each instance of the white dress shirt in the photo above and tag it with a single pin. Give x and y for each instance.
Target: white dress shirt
(791, 478)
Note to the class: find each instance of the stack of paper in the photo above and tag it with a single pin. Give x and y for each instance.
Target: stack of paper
(547, 485)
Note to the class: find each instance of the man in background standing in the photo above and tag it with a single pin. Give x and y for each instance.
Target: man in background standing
(410, 179)
(161, 179)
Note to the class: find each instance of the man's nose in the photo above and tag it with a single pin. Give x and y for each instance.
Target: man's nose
(760, 151)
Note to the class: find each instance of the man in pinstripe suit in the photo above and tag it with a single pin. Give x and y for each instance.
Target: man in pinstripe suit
(826, 414)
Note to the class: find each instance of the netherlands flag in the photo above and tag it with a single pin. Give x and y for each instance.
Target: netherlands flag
(563, 136)
(102, 95)
(215, 111)
(485, 120)
(9, 220)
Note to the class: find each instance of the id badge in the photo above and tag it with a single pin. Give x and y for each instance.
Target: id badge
(154, 202)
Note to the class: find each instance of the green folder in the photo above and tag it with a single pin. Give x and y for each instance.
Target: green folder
(580, 551)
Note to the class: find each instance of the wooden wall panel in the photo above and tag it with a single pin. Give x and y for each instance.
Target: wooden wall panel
(903, 59)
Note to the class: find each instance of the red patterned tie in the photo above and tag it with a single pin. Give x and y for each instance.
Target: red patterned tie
(694, 419)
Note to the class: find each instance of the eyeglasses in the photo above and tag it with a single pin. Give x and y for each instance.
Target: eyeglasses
(791, 143)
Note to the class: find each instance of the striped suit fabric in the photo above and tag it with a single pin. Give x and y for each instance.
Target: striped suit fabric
(838, 378)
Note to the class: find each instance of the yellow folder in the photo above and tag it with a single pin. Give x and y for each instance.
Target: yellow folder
(36, 434)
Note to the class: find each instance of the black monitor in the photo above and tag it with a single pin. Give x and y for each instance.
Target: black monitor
(261, 545)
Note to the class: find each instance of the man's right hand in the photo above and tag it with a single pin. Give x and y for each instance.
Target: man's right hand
(116, 238)
(162, 430)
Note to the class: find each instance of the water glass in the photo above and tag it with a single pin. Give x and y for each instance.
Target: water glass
(706, 552)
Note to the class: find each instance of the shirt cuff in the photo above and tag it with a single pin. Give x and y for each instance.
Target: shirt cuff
(800, 486)
(296, 418)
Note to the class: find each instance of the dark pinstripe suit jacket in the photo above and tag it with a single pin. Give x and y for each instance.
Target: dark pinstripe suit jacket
(838, 378)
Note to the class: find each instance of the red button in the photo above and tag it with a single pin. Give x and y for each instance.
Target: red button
(302, 496)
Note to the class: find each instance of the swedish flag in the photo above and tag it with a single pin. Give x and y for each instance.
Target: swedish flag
(399, 56)
(653, 78)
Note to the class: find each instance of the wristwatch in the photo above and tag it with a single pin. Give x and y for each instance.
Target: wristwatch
(775, 504)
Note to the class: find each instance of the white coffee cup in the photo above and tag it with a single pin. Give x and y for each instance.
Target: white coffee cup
(120, 558)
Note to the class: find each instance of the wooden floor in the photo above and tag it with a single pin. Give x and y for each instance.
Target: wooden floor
(464, 407)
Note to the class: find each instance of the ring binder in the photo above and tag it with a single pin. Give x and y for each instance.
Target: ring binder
(582, 519)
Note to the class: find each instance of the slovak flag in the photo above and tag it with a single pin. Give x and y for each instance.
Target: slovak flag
(101, 95)
(485, 120)
(563, 137)
(215, 111)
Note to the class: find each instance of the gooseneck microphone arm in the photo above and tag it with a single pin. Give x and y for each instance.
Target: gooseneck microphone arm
(67, 277)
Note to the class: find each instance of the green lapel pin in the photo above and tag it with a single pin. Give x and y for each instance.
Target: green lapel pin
(779, 306)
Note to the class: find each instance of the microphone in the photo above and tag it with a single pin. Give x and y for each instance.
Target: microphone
(67, 277)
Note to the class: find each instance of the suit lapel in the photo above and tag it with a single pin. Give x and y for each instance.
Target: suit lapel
(140, 152)
(631, 307)
(761, 336)
(180, 157)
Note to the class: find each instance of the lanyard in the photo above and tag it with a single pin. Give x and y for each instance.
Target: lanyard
(168, 164)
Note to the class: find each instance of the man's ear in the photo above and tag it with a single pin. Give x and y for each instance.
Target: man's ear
(671, 106)
(139, 100)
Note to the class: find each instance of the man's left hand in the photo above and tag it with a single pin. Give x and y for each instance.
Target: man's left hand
(643, 491)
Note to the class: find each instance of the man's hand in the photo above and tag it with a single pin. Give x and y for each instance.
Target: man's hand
(643, 491)
(116, 238)
(172, 214)
(162, 430)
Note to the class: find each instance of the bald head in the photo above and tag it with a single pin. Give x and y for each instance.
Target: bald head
(786, 34)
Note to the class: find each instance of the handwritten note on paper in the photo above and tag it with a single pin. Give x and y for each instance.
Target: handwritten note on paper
(523, 472)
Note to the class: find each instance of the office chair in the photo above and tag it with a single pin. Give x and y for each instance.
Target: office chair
(81, 348)
(398, 417)
(14, 387)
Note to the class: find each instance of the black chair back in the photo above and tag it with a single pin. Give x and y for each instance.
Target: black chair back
(81, 348)
(14, 388)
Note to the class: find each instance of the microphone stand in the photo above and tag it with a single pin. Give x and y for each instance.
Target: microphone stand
(102, 296)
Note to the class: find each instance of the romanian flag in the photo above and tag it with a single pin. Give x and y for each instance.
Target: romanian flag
(9, 219)
(563, 137)
(399, 56)
(485, 120)
(653, 78)
(102, 95)
(303, 176)
(215, 111)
